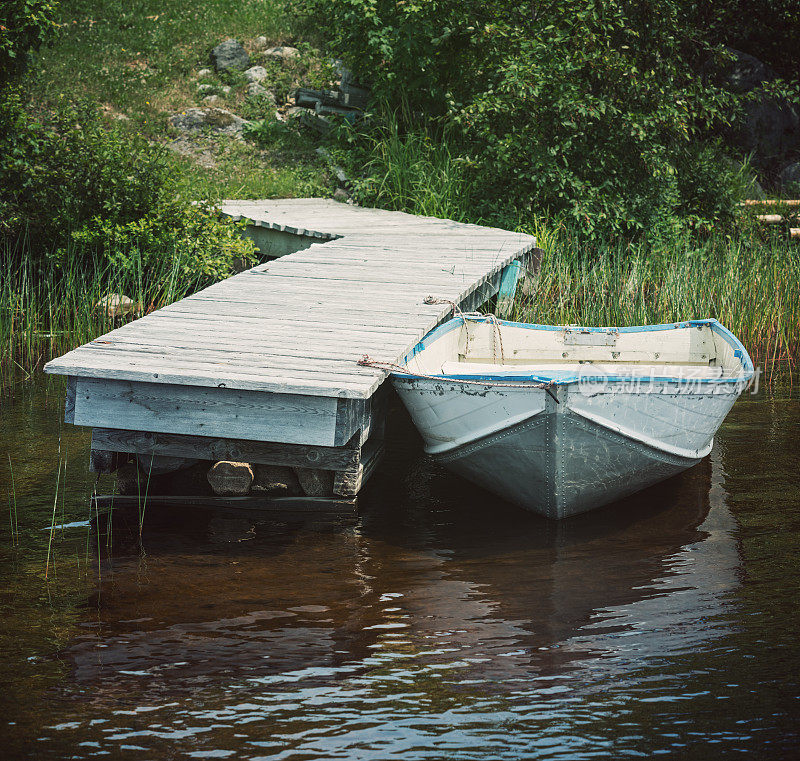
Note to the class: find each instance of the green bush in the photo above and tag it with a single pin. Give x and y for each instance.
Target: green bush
(86, 195)
(25, 25)
(591, 111)
(62, 168)
(200, 246)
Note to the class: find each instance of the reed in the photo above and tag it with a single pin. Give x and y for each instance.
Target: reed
(750, 283)
(48, 310)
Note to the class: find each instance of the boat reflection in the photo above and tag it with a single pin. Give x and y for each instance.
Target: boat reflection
(436, 579)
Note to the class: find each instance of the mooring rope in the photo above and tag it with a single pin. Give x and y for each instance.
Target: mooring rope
(391, 367)
(496, 339)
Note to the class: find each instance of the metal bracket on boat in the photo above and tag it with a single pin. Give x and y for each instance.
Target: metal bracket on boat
(579, 337)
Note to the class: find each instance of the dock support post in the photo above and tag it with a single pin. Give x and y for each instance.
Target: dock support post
(508, 288)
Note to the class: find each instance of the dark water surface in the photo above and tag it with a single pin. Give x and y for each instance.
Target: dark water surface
(438, 624)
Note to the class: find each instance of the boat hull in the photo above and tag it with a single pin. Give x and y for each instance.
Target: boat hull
(562, 456)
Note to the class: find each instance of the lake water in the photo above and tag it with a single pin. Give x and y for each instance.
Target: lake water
(440, 623)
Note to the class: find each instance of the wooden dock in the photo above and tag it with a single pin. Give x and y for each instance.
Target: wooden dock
(262, 367)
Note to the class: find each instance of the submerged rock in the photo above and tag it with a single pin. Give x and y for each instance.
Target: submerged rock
(230, 55)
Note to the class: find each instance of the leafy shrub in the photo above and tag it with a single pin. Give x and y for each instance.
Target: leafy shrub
(66, 167)
(592, 111)
(200, 246)
(25, 25)
(84, 194)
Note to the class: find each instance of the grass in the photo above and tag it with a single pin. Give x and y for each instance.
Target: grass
(748, 281)
(139, 62)
(44, 314)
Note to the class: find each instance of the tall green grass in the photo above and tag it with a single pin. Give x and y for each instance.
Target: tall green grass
(750, 283)
(746, 278)
(48, 310)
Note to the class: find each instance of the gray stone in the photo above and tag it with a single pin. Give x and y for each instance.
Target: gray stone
(230, 479)
(230, 55)
(212, 100)
(256, 74)
(276, 480)
(790, 175)
(259, 43)
(256, 92)
(315, 482)
(205, 89)
(212, 119)
(203, 73)
(226, 89)
(282, 52)
(745, 72)
(752, 187)
(116, 305)
(340, 194)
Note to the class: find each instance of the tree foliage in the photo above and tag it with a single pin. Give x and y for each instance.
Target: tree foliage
(594, 110)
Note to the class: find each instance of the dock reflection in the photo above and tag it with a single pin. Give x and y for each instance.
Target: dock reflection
(435, 580)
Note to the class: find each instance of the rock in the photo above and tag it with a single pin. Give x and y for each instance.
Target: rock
(226, 89)
(341, 195)
(212, 100)
(790, 175)
(770, 128)
(276, 480)
(256, 74)
(295, 112)
(230, 55)
(116, 305)
(752, 187)
(203, 73)
(259, 43)
(205, 89)
(129, 481)
(282, 52)
(230, 479)
(198, 149)
(745, 72)
(315, 482)
(212, 119)
(259, 92)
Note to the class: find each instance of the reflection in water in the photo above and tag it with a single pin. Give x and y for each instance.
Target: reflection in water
(441, 623)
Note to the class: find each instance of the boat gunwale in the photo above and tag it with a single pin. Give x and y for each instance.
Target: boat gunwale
(739, 352)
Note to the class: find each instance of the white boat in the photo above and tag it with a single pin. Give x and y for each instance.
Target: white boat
(560, 420)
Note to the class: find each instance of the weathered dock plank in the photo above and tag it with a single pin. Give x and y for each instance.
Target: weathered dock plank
(269, 358)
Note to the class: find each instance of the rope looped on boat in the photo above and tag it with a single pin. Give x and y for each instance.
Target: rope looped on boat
(391, 367)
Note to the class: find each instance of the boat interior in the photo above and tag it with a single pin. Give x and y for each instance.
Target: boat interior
(488, 347)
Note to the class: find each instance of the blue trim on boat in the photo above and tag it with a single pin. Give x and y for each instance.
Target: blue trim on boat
(739, 352)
